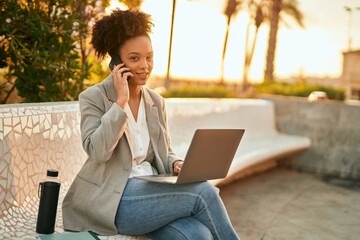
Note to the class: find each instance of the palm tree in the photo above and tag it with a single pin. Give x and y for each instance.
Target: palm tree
(231, 9)
(276, 7)
(258, 16)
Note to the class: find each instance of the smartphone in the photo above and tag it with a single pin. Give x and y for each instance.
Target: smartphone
(115, 60)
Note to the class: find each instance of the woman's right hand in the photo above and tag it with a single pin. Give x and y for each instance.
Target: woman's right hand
(120, 75)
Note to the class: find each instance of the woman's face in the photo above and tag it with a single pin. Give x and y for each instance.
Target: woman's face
(137, 54)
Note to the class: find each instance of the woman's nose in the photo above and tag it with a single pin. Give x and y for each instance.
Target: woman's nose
(144, 64)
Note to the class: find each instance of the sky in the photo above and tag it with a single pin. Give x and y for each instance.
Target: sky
(199, 32)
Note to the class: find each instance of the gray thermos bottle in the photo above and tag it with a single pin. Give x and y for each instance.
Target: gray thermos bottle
(49, 195)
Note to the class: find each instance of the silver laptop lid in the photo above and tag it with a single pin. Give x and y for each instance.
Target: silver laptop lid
(210, 154)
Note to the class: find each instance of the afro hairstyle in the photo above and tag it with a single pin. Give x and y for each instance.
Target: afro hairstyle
(112, 31)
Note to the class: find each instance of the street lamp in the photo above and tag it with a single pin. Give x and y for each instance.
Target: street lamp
(350, 10)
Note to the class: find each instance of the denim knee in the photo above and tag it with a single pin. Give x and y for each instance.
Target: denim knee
(207, 191)
(208, 188)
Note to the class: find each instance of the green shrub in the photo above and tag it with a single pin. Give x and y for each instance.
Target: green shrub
(301, 89)
(38, 55)
(199, 92)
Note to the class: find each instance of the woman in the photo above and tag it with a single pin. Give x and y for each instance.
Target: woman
(124, 132)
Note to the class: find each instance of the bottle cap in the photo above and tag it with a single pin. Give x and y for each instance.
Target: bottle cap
(52, 173)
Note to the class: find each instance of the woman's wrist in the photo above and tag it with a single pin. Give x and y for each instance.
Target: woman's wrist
(121, 103)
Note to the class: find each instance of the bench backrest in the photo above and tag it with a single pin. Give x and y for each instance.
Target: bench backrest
(256, 116)
(34, 138)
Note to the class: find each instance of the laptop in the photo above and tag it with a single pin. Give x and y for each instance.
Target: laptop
(209, 157)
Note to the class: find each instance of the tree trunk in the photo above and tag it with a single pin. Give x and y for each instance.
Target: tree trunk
(274, 25)
(224, 51)
(248, 57)
(167, 79)
(246, 69)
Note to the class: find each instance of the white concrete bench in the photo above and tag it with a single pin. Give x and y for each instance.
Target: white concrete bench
(262, 142)
(39, 136)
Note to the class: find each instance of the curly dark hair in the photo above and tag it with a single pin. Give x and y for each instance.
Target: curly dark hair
(110, 32)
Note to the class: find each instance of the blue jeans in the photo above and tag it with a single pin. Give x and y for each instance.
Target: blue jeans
(166, 211)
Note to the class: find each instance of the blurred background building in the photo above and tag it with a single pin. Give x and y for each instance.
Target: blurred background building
(351, 73)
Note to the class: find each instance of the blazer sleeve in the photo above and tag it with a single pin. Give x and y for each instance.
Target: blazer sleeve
(102, 124)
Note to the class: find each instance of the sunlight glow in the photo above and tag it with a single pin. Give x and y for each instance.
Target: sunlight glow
(311, 52)
(199, 34)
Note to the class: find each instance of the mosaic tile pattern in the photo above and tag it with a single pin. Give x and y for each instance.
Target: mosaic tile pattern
(34, 138)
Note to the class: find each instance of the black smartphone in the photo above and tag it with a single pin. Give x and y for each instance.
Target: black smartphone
(115, 60)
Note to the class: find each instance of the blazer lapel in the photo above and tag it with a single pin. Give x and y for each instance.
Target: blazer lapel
(153, 121)
(152, 118)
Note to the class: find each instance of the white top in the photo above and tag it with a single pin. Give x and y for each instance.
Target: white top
(140, 140)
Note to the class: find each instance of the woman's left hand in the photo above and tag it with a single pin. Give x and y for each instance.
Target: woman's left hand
(177, 166)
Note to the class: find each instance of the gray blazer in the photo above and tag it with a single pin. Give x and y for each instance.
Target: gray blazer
(93, 198)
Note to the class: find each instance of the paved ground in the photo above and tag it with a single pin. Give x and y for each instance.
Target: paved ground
(282, 204)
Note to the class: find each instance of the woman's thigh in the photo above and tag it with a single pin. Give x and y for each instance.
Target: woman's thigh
(147, 206)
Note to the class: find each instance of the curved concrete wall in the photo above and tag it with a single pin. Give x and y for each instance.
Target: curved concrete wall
(334, 130)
